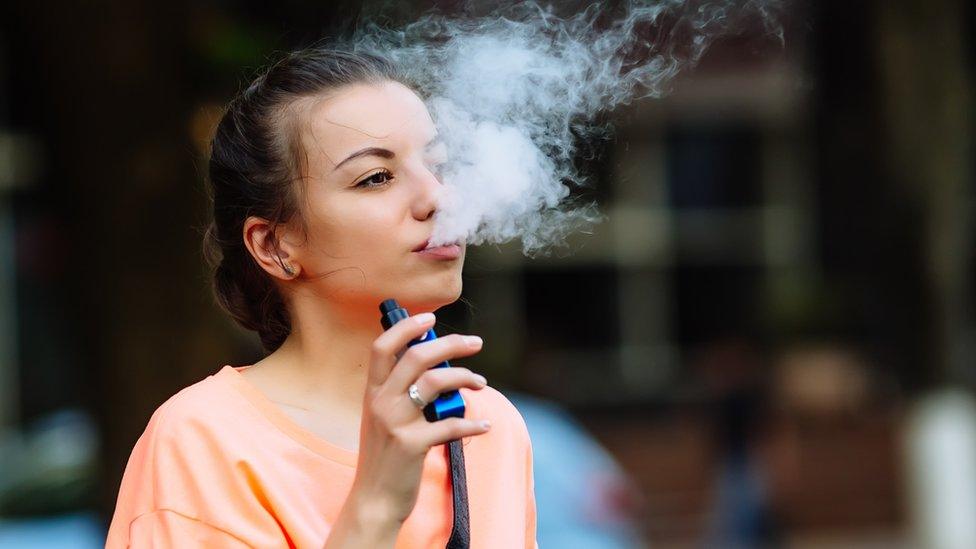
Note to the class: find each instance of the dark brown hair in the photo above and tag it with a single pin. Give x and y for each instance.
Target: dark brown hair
(255, 161)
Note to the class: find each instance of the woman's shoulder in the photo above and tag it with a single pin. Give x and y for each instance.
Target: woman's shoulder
(490, 403)
(185, 453)
(201, 407)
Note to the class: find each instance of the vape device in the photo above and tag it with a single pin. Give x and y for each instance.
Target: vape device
(449, 404)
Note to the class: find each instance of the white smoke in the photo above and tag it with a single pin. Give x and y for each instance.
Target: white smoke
(515, 92)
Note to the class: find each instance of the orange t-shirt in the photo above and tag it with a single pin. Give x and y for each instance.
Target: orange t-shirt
(220, 465)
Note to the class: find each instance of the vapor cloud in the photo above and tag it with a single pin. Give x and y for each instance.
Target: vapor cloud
(515, 92)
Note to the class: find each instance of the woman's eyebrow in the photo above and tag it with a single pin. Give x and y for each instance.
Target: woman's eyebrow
(368, 151)
(384, 153)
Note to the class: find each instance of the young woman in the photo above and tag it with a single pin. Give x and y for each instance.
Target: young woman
(324, 183)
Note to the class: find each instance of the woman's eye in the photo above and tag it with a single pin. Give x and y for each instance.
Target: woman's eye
(376, 180)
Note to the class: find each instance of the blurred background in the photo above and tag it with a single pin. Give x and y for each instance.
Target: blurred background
(769, 343)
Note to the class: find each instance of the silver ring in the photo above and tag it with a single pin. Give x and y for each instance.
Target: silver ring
(414, 394)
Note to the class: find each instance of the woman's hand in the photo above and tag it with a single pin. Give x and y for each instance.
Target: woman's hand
(394, 436)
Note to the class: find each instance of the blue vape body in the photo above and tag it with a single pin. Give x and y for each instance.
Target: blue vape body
(449, 404)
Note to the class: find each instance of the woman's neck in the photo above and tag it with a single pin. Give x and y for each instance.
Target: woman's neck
(323, 364)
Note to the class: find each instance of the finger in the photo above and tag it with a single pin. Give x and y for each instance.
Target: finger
(448, 429)
(423, 356)
(383, 353)
(435, 381)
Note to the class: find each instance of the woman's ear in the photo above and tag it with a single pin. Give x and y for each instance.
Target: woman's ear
(273, 252)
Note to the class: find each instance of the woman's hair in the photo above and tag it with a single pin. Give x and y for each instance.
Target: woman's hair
(254, 164)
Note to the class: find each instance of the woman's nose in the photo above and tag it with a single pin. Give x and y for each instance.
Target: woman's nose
(428, 188)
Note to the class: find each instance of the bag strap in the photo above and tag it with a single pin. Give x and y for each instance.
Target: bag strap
(460, 533)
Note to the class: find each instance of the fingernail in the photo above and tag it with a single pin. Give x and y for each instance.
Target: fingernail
(424, 318)
(481, 379)
(485, 424)
(472, 341)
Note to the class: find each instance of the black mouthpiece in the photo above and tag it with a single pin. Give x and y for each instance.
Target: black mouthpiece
(392, 313)
(388, 305)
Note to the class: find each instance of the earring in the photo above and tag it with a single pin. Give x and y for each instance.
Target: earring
(289, 270)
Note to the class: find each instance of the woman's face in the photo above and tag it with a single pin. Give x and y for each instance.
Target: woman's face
(371, 192)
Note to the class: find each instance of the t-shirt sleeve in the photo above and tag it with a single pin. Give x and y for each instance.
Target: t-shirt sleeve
(168, 528)
(530, 510)
(182, 484)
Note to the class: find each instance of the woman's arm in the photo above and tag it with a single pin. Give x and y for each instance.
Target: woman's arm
(362, 524)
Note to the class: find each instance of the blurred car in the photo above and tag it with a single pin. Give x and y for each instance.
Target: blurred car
(584, 499)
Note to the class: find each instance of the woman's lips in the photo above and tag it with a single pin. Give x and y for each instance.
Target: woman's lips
(447, 251)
